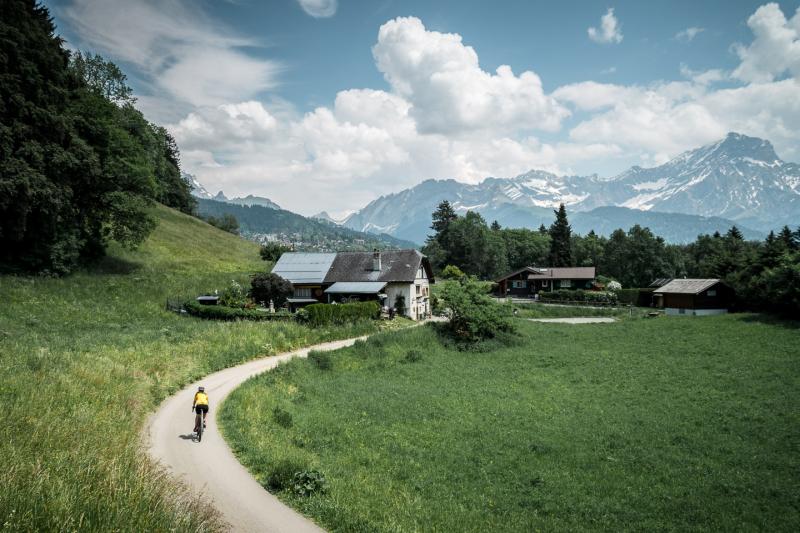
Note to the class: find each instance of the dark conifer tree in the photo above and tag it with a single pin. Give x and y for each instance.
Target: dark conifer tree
(496, 226)
(560, 240)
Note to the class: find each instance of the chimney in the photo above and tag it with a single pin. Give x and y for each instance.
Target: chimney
(376, 260)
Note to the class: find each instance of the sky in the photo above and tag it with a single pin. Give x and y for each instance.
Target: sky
(329, 104)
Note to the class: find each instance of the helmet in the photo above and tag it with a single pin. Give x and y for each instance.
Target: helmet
(201, 389)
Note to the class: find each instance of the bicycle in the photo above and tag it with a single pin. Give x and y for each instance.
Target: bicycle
(200, 423)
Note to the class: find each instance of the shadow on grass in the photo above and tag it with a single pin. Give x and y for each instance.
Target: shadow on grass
(114, 266)
(782, 321)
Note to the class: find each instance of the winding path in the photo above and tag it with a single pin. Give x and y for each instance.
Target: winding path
(210, 467)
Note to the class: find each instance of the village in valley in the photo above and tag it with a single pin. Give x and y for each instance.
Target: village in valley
(478, 266)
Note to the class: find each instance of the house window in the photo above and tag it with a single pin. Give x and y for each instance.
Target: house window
(419, 290)
(565, 283)
(302, 292)
(518, 284)
(712, 292)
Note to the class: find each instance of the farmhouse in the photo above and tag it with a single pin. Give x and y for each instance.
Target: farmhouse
(528, 281)
(694, 297)
(360, 276)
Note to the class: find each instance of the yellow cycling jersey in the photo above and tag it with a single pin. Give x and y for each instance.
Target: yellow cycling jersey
(201, 398)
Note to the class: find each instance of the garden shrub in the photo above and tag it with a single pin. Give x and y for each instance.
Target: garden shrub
(281, 474)
(400, 305)
(321, 360)
(628, 296)
(233, 295)
(268, 286)
(325, 314)
(452, 272)
(309, 482)
(412, 356)
(282, 417)
(474, 315)
(590, 297)
(221, 312)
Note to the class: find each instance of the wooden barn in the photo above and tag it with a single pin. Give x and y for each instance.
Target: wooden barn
(694, 297)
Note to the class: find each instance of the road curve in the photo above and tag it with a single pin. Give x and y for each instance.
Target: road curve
(210, 467)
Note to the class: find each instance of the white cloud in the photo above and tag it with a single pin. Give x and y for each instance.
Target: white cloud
(703, 77)
(688, 34)
(319, 8)
(188, 59)
(610, 30)
(775, 49)
(449, 93)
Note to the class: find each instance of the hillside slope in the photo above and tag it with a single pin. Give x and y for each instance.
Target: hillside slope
(83, 359)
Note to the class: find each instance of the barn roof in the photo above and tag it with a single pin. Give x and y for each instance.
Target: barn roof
(563, 273)
(686, 286)
(298, 268)
(356, 287)
(396, 266)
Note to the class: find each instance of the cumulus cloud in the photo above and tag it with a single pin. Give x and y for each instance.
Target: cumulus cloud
(610, 30)
(450, 93)
(775, 49)
(319, 8)
(688, 34)
(188, 59)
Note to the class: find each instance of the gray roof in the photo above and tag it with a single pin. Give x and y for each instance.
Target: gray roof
(356, 287)
(687, 286)
(300, 268)
(396, 266)
(563, 273)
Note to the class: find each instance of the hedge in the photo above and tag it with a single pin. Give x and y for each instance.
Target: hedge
(638, 297)
(324, 314)
(222, 312)
(564, 295)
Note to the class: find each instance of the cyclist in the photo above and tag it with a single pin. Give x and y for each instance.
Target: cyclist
(200, 406)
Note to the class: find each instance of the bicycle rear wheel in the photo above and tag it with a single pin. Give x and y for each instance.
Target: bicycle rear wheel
(200, 428)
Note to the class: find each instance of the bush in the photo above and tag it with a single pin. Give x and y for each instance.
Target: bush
(268, 286)
(282, 417)
(325, 314)
(474, 315)
(281, 475)
(628, 296)
(412, 356)
(589, 297)
(272, 251)
(321, 360)
(221, 312)
(233, 296)
(309, 482)
(452, 272)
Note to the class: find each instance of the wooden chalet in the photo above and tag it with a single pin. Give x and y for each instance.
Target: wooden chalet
(694, 297)
(529, 281)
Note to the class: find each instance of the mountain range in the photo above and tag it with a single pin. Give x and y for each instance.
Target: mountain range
(198, 191)
(738, 180)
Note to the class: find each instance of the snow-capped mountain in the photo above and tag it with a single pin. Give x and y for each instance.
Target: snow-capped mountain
(199, 191)
(737, 179)
(324, 215)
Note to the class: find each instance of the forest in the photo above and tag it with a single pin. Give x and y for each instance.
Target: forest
(765, 274)
(80, 166)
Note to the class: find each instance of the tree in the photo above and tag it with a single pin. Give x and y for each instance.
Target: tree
(543, 230)
(400, 305)
(495, 226)
(452, 272)
(226, 222)
(442, 217)
(268, 286)
(272, 251)
(104, 77)
(474, 315)
(560, 245)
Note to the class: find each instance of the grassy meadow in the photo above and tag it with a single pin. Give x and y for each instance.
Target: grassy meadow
(84, 359)
(666, 424)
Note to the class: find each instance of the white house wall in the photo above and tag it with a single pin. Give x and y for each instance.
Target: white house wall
(393, 290)
(676, 311)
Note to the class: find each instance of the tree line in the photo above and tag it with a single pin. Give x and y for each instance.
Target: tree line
(765, 274)
(79, 164)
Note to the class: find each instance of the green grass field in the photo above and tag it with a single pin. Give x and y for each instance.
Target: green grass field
(84, 359)
(645, 424)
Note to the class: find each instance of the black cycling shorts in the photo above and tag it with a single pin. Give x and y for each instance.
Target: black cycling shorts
(200, 409)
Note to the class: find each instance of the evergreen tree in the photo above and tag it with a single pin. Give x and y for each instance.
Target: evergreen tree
(787, 238)
(560, 244)
(443, 216)
(495, 226)
(543, 229)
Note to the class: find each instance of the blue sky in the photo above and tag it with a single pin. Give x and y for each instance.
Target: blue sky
(320, 104)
